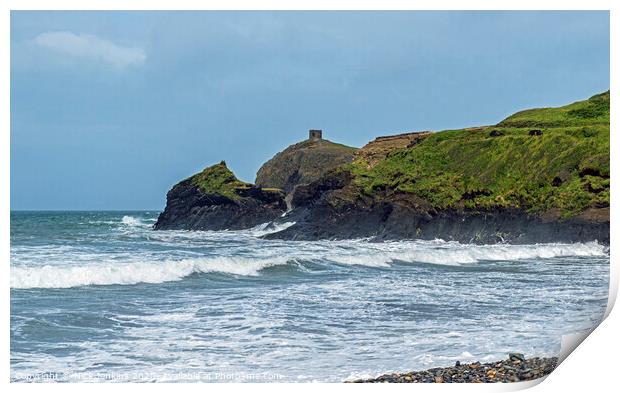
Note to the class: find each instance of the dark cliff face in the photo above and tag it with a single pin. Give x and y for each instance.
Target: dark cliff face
(216, 200)
(303, 163)
(333, 208)
(388, 220)
(190, 208)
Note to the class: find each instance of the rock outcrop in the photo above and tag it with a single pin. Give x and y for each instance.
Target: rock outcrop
(501, 183)
(215, 199)
(378, 149)
(303, 163)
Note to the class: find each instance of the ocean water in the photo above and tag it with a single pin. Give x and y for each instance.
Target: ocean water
(100, 296)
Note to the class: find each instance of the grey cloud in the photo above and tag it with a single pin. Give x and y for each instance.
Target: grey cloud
(91, 47)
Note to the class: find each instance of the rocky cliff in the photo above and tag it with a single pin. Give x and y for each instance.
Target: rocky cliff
(540, 175)
(303, 163)
(215, 199)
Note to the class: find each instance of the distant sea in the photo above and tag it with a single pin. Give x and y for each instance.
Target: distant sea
(101, 296)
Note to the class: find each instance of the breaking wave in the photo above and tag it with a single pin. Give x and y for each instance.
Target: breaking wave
(269, 227)
(128, 273)
(460, 254)
(341, 252)
(131, 221)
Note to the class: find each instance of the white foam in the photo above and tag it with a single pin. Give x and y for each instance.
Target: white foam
(132, 221)
(127, 273)
(94, 269)
(269, 227)
(452, 253)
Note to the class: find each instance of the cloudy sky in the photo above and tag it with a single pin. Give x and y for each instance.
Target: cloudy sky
(110, 109)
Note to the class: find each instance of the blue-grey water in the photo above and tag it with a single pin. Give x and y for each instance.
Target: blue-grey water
(100, 296)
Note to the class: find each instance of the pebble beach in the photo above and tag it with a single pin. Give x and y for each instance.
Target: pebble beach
(514, 369)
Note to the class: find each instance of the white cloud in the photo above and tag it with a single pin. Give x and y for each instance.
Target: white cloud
(86, 46)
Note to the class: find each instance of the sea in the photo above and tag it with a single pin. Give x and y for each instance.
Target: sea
(102, 297)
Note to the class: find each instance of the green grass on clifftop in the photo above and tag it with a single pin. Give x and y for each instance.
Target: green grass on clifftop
(589, 112)
(566, 169)
(218, 180)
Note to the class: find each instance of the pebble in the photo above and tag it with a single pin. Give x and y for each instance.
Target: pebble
(516, 368)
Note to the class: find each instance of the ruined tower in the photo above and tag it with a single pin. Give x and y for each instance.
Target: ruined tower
(315, 135)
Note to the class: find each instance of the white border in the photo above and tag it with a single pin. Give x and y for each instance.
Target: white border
(594, 364)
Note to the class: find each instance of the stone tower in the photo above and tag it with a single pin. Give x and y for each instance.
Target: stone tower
(315, 135)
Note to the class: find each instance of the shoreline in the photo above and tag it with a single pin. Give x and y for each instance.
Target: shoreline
(514, 369)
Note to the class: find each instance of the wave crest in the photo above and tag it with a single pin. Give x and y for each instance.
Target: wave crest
(131, 221)
(127, 273)
(340, 252)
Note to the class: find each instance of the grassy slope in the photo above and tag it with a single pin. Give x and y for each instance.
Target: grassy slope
(218, 180)
(565, 169)
(324, 155)
(309, 158)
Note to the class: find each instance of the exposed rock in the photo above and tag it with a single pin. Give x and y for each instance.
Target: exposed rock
(308, 193)
(593, 172)
(334, 208)
(379, 148)
(303, 163)
(516, 357)
(215, 199)
(535, 133)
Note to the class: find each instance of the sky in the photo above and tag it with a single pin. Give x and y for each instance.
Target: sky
(110, 109)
